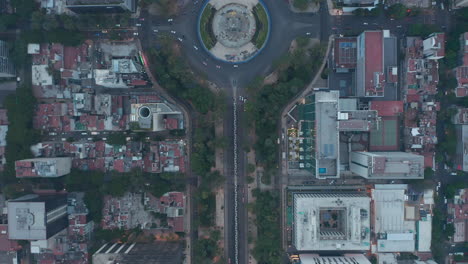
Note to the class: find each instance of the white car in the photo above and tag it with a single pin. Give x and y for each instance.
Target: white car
(218, 67)
(135, 33)
(195, 47)
(64, 139)
(138, 25)
(204, 63)
(170, 20)
(307, 33)
(179, 39)
(365, 23)
(236, 66)
(84, 133)
(173, 32)
(155, 30)
(52, 134)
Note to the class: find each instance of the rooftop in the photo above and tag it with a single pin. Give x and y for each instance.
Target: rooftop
(395, 234)
(331, 221)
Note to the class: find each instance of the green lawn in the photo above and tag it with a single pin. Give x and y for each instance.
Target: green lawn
(261, 19)
(205, 27)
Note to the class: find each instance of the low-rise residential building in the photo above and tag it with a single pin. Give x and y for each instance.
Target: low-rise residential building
(461, 72)
(136, 210)
(3, 132)
(43, 167)
(458, 215)
(7, 69)
(460, 161)
(434, 46)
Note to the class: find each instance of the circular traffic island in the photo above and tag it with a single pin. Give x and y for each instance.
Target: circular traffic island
(234, 30)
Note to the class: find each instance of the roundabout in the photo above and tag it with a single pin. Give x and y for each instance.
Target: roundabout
(234, 31)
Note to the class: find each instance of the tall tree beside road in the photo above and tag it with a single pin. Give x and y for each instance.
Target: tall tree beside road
(21, 134)
(397, 11)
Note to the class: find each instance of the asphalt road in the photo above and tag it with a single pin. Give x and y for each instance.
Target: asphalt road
(285, 26)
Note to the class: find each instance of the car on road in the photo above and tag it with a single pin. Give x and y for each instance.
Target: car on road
(365, 23)
(155, 30)
(179, 39)
(307, 33)
(204, 63)
(135, 33)
(218, 67)
(236, 66)
(104, 138)
(399, 26)
(195, 47)
(104, 31)
(117, 25)
(138, 25)
(52, 134)
(142, 19)
(170, 20)
(84, 133)
(95, 133)
(173, 32)
(64, 139)
(90, 139)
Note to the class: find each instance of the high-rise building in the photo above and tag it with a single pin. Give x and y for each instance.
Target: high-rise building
(37, 217)
(376, 64)
(43, 167)
(387, 165)
(7, 69)
(101, 6)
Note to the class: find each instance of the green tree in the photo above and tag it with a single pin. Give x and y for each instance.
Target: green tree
(397, 11)
(117, 139)
(301, 4)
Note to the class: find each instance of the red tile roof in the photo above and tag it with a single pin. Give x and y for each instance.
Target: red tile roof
(5, 243)
(387, 108)
(374, 59)
(3, 117)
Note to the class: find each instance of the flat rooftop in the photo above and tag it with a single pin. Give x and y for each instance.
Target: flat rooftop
(327, 137)
(331, 221)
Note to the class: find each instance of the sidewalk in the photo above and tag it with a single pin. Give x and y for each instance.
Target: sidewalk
(188, 128)
(251, 227)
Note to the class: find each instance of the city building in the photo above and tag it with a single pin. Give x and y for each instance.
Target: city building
(345, 259)
(37, 217)
(457, 212)
(155, 116)
(461, 72)
(387, 165)
(319, 135)
(460, 3)
(351, 5)
(460, 161)
(434, 46)
(7, 69)
(139, 253)
(460, 117)
(3, 132)
(100, 6)
(338, 221)
(377, 72)
(402, 220)
(43, 167)
(344, 54)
